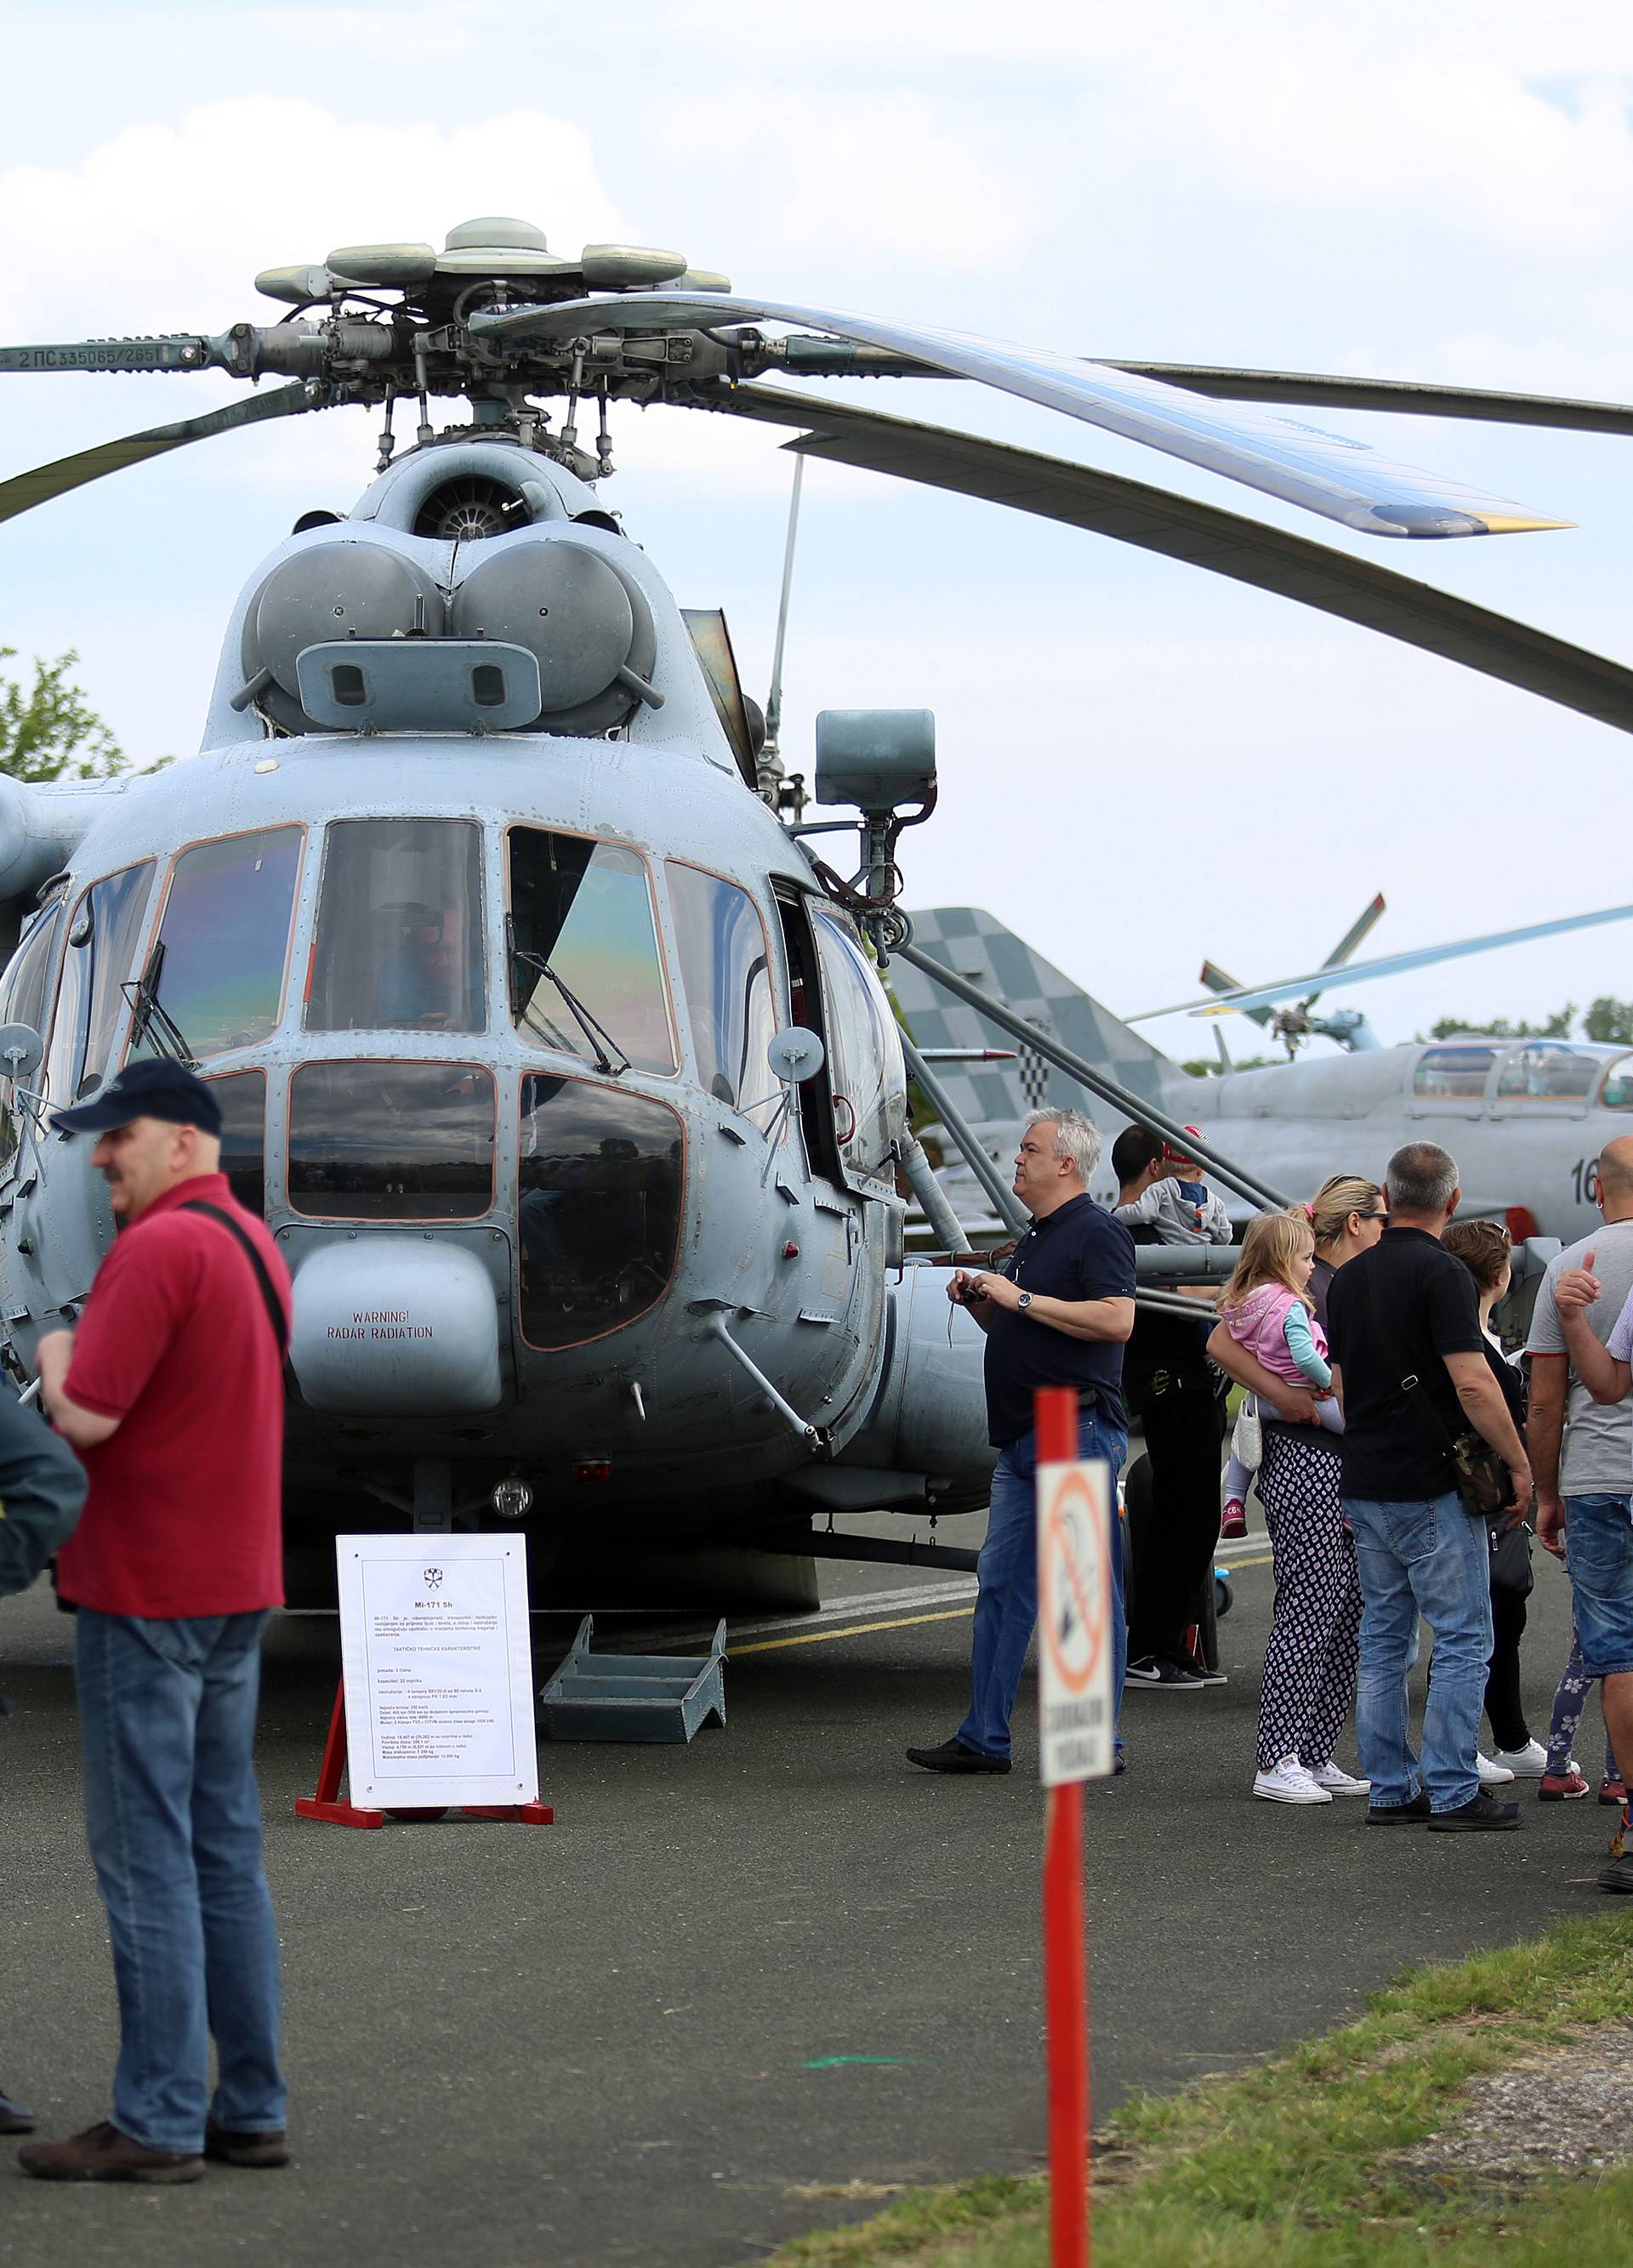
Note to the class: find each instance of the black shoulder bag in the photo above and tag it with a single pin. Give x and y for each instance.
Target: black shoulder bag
(270, 1299)
(1479, 1475)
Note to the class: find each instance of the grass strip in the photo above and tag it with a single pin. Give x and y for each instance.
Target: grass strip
(1289, 2165)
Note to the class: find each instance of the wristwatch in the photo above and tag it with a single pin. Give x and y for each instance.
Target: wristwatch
(1023, 1302)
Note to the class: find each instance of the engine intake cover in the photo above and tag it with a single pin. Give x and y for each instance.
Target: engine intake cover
(572, 610)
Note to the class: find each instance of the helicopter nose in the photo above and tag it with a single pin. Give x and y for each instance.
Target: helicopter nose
(388, 1325)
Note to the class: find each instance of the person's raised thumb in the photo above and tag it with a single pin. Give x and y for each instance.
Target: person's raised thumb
(1587, 1261)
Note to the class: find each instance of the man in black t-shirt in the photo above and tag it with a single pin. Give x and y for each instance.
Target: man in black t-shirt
(1058, 1315)
(1409, 1362)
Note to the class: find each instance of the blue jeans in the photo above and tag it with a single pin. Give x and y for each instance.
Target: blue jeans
(1006, 1607)
(172, 1814)
(1598, 1551)
(1425, 1559)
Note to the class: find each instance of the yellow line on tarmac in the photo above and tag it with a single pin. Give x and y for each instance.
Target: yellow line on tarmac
(903, 1622)
(853, 1630)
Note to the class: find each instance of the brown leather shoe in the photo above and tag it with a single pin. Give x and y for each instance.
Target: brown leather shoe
(102, 2153)
(270, 2148)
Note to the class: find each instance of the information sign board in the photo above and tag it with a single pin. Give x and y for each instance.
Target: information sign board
(1075, 1720)
(439, 1669)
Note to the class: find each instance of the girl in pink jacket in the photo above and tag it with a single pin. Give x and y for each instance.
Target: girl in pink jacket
(1266, 1308)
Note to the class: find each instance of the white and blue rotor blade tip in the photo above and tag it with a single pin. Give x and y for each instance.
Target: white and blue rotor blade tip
(1342, 479)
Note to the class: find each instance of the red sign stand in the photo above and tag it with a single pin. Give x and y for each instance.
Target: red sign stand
(1066, 1990)
(328, 1803)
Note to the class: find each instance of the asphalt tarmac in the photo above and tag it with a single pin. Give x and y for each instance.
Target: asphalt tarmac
(739, 1989)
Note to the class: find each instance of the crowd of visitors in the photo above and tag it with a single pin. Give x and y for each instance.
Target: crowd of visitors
(1385, 1427)
(1387, 1430)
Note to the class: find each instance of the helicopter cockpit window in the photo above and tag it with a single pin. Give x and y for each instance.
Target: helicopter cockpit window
(725, 969)
(391, 1141)
(224, 940)
(585, 973)
(1453, 1074)
(399, 928)
(242, 1095)
(1548, 1073)
(866, 1078)
(103, 932)
(22, 1001)
(600, 1212)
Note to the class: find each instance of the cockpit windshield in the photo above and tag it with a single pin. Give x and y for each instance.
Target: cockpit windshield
(1548, 1072)
(399, 929)
(224, 932)
(585, 977)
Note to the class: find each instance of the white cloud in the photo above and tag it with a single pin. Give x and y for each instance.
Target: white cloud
(164, 227)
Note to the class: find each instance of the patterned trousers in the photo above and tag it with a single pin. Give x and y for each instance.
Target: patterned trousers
(1310, 1664)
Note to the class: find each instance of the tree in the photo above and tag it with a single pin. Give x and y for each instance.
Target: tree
(1609, 1019)
(1210, 1067)
(49, 732)
(1556, 1027)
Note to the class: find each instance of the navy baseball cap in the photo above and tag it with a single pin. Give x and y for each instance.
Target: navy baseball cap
(150, 1089)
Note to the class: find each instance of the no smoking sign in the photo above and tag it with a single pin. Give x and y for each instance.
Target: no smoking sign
(1074, 1534)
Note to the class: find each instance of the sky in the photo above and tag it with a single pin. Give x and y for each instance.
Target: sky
(1140, 765)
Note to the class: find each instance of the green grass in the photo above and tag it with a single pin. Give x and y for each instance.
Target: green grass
(1288, 2167)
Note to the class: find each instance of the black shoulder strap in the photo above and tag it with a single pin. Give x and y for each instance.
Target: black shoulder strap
(270, 1299)
(1412, 1385)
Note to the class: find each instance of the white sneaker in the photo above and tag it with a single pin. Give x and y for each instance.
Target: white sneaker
(1529, 1762)
(1334, 1778)
(1492, 1775)
(1289, 1783)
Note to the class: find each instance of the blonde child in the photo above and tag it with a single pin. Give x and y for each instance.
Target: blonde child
(1267, 1309)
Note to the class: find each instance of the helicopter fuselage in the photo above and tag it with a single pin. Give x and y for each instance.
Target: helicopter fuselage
(488, 1014)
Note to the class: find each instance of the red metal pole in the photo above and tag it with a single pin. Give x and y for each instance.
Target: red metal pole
(1065, 1981)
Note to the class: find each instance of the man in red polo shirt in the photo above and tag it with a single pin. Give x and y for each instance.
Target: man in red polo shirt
(172, 1391)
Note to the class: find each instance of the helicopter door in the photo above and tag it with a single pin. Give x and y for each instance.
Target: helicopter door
(868, 1082)
(22, 1001)
(805, 1007)
(725, 967)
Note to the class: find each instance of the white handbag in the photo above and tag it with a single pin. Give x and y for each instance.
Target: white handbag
(1247, 1440)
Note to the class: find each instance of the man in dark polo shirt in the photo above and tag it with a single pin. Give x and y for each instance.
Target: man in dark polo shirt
(172, 1391)
(1057, 1315)
(1406, 1311)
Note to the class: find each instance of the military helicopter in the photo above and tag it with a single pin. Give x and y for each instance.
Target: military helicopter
(1526, 1117)
(558, 1063)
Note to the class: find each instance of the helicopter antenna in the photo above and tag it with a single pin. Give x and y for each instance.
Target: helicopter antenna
(773, 699)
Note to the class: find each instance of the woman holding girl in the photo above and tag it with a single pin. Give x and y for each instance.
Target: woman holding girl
(1310, 1663)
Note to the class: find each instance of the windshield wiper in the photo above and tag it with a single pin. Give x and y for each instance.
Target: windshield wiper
(600, 1038)
(150, 1021)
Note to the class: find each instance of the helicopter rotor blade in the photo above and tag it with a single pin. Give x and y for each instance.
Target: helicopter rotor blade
(1306, 389)
(186, 351)
(25, 491)
(1342, 950)
(1203, 536)
(1363, 926)
(1392, 964)
(1338, 478)
(774, 698)
(1218, 980)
